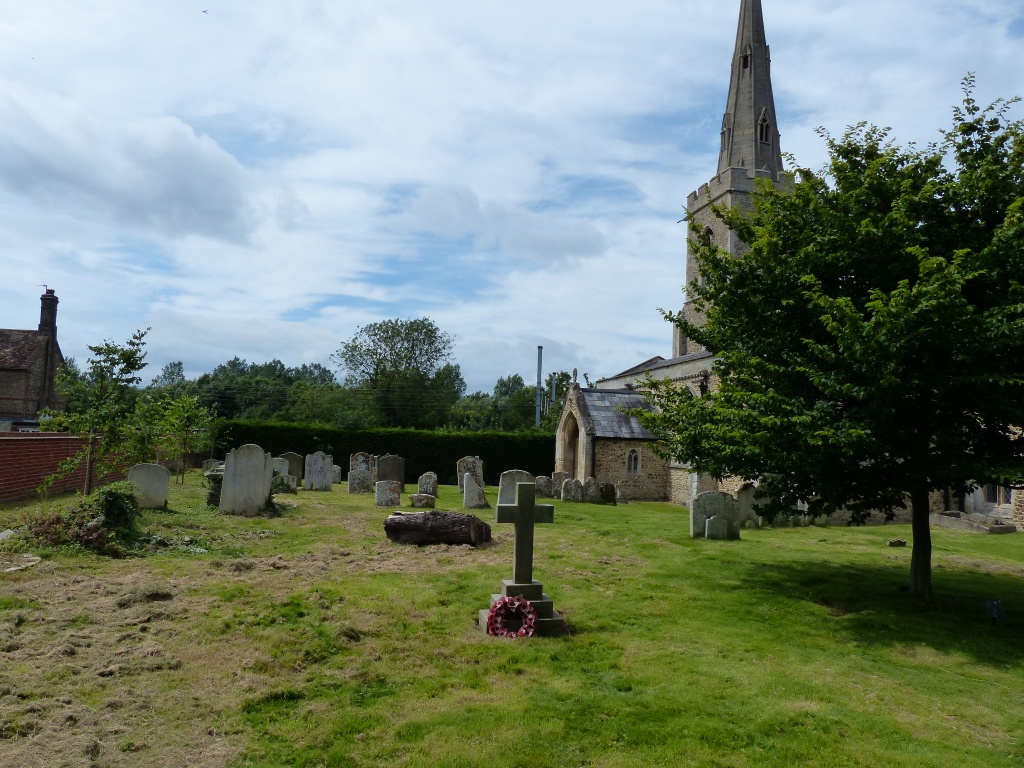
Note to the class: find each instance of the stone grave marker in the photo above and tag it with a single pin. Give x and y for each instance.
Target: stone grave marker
(716, 528)
(572, 490)
(281, 465)
(422, 500)
(318, 472)
(474, 466)
(524, 513)
(473, 494)
(509, 482)
(209, 464)
(335, 474)
(714, 504)
(296, 464)
(360, 481)
(391, 467)
(557, 481)
(591, 492)
(543, 487)
(248, 473)
(607, 493)
(427, 484)
(389, 493)
(621, 495)
(749, 510)
(151, 483)
(359, 461)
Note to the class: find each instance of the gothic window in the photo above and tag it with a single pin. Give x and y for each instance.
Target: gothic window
(633, 463)
(998, 494)
(745, 60)
(764, 129)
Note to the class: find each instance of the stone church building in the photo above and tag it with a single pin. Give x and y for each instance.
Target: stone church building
(592, 441)
(595, 436)
(28, 363)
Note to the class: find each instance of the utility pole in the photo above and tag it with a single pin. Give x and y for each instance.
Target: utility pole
(540, 385)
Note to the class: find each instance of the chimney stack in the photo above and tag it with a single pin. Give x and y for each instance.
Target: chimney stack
(48, 312)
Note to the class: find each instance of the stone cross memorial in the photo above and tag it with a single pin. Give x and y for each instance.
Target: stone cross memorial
(524, 514)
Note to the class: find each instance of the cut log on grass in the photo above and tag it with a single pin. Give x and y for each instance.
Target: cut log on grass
(436, 528)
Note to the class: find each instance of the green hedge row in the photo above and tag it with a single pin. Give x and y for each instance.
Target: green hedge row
(423, 451)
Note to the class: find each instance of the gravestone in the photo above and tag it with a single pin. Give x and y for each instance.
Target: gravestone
(474, 466)
(427, 484)
(607, 493)
(359, 461)
(318, 472)
(716, 528)
(389, 493)
(335, 474)
(572, 490)
(151, 483)
(557, 481)
(248, 473)
(591, 492)
(749, 510)
(714, 504)
(209, 464)
(621, 496)
(391, 467)
(543, 487)
(281, 465)
(473, 494)
(508, 483)
(524, 514)
(296, 464)
(360, 481)
(422, 500)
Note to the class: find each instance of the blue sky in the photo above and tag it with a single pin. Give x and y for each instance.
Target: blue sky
(263, 178)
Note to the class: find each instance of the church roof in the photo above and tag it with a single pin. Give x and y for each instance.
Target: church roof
(604, 413)
(19, 349)
(657, 363)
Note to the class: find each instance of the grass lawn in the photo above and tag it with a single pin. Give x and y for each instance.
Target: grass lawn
(308, 639)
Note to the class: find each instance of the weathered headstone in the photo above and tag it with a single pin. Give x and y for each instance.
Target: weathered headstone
(296, 464)
(716, 528)
(572, 490)
(474, 466)
(422, 500)
(714, 504)
(621, 495)
(391, 467)
(359, 461)
(543, 487)
(389, 493)
(281, 465)
(473, 494)
(427, 484)
(318, 472)
(524, 514)
(335, 474)
(557, 481)
(748, 509)
(360, 481)
(151, 483)
(591, 492)
(607, 493)
(248, 473)
(508, 483)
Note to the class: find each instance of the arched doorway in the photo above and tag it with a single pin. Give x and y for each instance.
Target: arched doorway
(569, 442)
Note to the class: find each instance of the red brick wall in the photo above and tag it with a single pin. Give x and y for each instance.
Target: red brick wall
(26, 459)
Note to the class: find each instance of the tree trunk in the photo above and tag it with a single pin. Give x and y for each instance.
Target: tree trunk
(921, 556)
(88, 464)
(436, 528)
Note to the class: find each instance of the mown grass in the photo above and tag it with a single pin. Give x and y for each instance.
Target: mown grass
(308, 639)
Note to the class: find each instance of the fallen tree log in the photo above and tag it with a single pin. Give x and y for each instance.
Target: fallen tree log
(436, 528)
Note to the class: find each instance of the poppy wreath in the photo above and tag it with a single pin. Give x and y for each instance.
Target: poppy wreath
(507, 607)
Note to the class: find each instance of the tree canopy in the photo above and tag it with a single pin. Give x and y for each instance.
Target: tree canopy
(870, 344)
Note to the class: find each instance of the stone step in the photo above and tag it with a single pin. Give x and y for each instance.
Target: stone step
(544, 607)
(554, 626)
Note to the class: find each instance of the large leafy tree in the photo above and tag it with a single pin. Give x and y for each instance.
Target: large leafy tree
(405, 368)
(870, 344)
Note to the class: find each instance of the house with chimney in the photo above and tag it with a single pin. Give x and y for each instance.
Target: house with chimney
(29, 361)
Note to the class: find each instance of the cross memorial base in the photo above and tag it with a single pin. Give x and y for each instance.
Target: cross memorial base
(550, 623)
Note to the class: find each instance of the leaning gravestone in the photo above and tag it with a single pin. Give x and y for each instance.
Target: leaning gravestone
(391, 467)
(557, 480)
(524, 513)
(389, 493)
(151, 483)
(473, 494)
(248, 473)
(543, 487)
(591, 492)
(427, 484)
(295, 464)
(508, 483)
(572, 490)
(714, 504)
(474, 466)
(319, 471)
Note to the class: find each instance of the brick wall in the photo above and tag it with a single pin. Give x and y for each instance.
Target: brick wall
(26, 459)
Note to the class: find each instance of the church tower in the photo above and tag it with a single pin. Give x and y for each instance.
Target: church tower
(749, 149)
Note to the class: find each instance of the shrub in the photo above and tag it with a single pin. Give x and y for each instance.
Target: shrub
(95, 522)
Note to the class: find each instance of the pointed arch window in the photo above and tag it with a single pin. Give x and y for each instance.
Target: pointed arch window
(633, 462)
(745, 59)
(764, 129)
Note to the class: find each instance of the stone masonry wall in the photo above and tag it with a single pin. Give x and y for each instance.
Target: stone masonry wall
(610, 467)
(679, 485)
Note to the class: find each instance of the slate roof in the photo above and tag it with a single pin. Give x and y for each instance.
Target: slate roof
(657, 362)
(19, 349)
(603, 409)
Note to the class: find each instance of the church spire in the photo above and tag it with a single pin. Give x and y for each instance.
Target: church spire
(750, 135)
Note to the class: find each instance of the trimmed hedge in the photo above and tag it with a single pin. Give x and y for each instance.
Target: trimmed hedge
(423, 451)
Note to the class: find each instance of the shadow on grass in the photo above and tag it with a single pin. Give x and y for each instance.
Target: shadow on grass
(872, 606)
